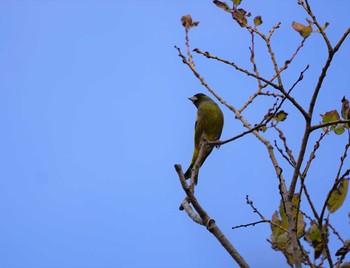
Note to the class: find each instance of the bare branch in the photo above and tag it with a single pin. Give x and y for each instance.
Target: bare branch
(209, 56)
(313, 153)
(185, 205)
(290, 157)
(249, 224)
(268, 82)
(263, 219)
(341, 40)
(320, 28)
(343, 157)
(205, 218)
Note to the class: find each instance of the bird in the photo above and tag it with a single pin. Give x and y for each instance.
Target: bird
(210, 122)
(345, 110)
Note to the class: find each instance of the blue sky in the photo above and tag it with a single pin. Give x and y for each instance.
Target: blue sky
(94, 114)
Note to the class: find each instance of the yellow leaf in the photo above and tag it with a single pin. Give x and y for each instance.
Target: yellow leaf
(257, 21)
(237, 2)
(338, 196)
(284, 221)
(303, 30)
(280, 116)
(275, 230)
(330, 116)
(298, 26)
(339, 129)
(314, 237)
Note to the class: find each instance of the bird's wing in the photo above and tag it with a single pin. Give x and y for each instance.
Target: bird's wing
(198, 127)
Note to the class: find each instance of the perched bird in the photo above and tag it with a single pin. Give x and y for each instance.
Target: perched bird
(345, 110)
(209, 122)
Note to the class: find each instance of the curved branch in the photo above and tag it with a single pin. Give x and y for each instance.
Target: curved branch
(209, 222)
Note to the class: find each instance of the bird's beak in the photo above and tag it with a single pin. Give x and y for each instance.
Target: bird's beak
(193, 99)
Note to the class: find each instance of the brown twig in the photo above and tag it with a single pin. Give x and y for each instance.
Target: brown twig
(335, 232)
(333, 123)
(206, 220)
(190, 57)
(249, 224)
(256, 71)
(343, 157)
(317, 89)
(313, 153)
(263, 219)
(268, 82)
(209, 56)
(290, 157)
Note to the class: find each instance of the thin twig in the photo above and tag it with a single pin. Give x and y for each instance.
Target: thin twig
(323, 125)
(268, 82)
(249, 224)
(313, 153)
(290, 157)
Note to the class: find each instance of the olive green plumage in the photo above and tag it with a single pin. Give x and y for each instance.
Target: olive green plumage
(210, 121)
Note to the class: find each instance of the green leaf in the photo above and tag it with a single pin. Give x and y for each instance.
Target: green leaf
(236, 2)
(314, 237)
(279, 238)
(295, 211)
(263, 128)
(301, 224)
(282, 243)
(330, 116)
(257, 21)
(280, 116)
(338, 196)
(295, 204)
(284, 221)
(303, 30)
(339, 129)
(222, 5)
(313, 234)
(306, 32)
(276, 220)
(282, 240)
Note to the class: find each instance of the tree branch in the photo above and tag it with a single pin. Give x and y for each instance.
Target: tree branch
(207, 221)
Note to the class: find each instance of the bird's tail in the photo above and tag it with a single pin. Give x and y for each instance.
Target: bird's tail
(188, 174)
